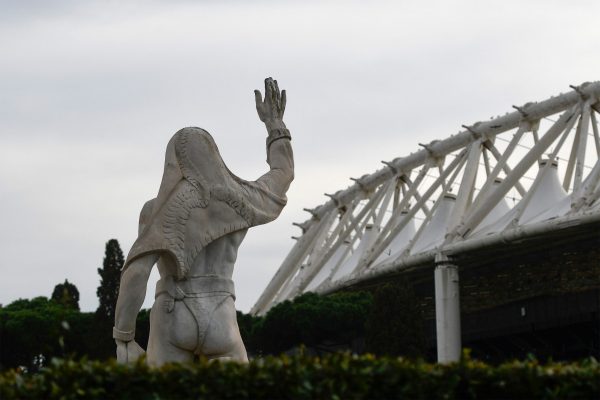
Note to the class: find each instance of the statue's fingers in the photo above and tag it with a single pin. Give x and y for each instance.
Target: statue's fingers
(258, 97)
(283, 101)
(273, 84)
(268, 88)
(272, 93)
(277, 89)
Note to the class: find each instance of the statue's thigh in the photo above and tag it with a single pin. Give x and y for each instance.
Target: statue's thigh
(173, 332)
(223, 339)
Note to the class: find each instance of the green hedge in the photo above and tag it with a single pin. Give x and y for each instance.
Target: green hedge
(337, 376)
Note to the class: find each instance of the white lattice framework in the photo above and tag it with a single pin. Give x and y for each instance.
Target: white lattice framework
(528, 172)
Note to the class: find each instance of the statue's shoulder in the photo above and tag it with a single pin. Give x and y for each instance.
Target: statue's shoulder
(146, 212)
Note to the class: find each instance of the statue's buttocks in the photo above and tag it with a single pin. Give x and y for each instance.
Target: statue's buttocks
(196, 315)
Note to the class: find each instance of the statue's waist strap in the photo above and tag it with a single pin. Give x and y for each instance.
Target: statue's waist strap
(195, 286)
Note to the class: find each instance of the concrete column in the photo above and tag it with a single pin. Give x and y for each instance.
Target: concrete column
(447, 310)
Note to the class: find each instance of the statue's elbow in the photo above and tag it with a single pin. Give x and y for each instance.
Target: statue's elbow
(290, 176)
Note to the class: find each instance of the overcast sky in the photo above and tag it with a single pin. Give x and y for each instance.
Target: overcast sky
(91, 92)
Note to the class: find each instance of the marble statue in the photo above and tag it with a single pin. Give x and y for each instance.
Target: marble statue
(192, 231)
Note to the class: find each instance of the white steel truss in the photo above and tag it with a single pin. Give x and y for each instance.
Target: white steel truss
(531, 171)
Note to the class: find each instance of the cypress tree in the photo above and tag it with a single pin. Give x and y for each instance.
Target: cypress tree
(110, 275)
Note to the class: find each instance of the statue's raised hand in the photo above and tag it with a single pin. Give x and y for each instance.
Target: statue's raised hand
(273, 106)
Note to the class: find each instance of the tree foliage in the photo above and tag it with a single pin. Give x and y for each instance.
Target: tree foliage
(31, 328)
(311, 319)
(66, 294)
(395, 323)
(110, 275)
(39, 329)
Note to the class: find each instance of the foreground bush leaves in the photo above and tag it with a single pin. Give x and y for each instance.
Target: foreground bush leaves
(337, 376)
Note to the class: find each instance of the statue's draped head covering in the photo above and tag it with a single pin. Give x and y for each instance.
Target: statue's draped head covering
(199, 200)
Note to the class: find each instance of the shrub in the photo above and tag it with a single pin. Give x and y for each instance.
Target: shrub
(335, 376)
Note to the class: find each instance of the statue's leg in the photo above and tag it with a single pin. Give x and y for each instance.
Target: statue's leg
(173, 332)
(223, 340)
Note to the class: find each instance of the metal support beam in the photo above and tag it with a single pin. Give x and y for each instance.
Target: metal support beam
(500, 162)
(520, 208)
(571, 161)
(535, 111)
(507, 170)
(564, 123)
(447, 310)
(312, 263)
(381, 243)
(582, 145)
(596, 134)
(371, 207)
(439, 200)
(467, 185)
(416, 195)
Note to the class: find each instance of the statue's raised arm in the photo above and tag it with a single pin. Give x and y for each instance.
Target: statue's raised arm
(279, 152)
